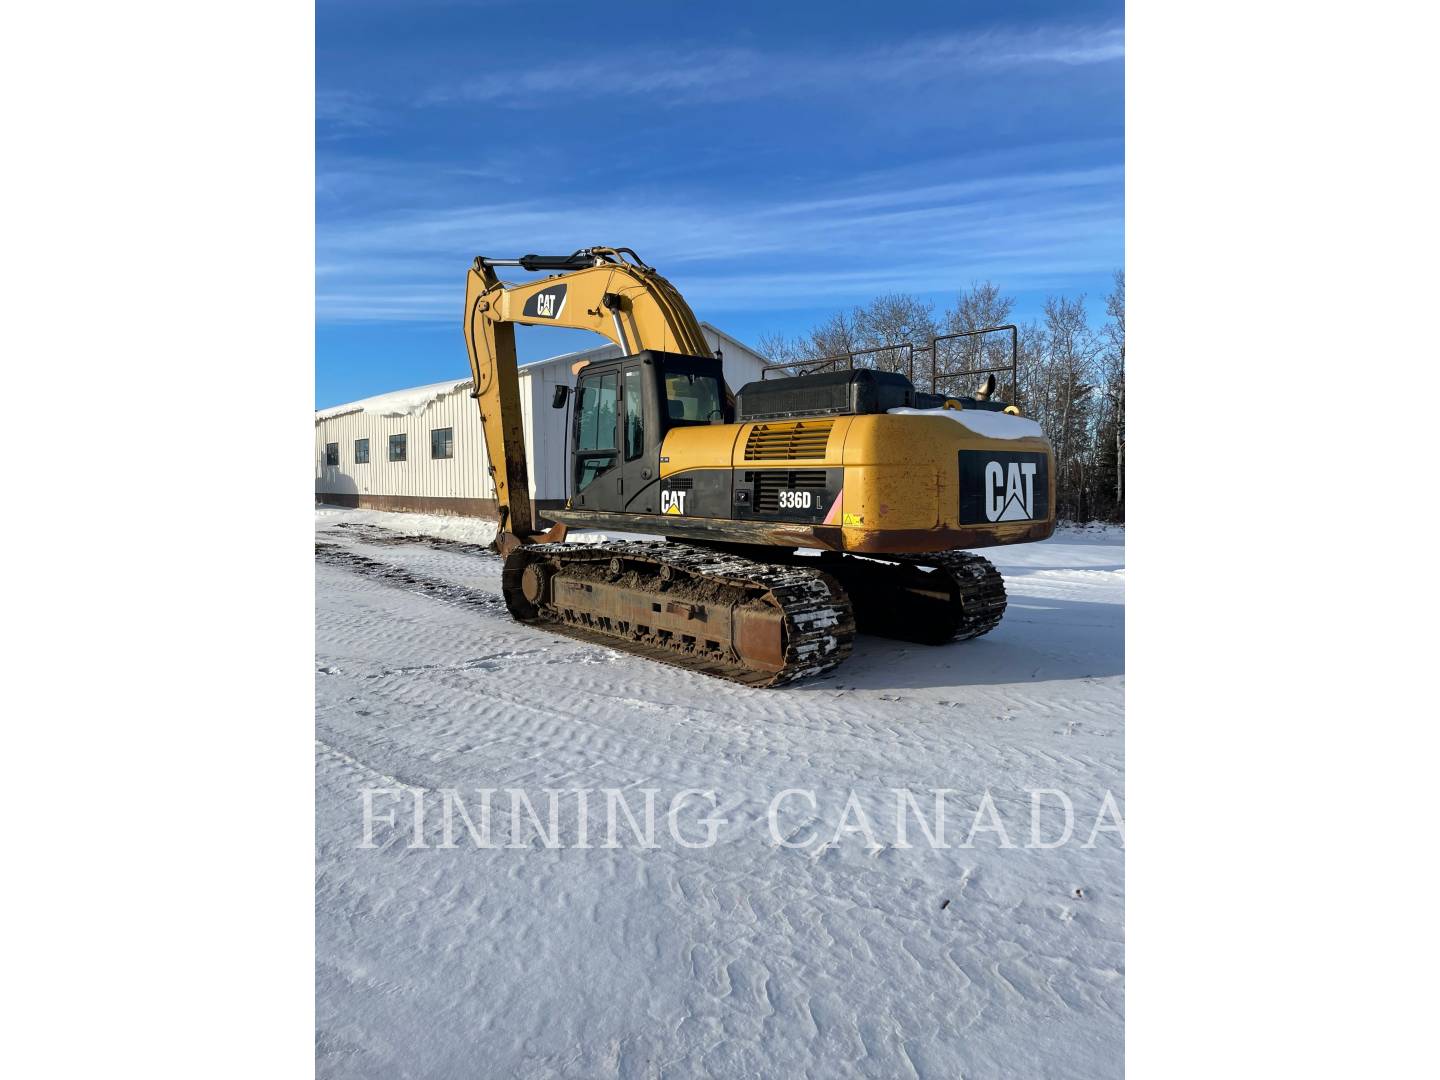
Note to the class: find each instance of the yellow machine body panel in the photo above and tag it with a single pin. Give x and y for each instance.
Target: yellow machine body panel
(870, 484)
(708, 447)
(904, 478)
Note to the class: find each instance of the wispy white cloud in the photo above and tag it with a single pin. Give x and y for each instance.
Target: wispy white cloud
(898, 230)
(345, 112)
(731, 74)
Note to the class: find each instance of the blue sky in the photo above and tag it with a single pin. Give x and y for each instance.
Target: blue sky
(776, 161)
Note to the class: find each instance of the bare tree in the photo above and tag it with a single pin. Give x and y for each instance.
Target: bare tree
(976, 308)
(1070, 358)
(1031, 367)
(837, 336)
(1115, 308)
(779, 349)
(1110, 437)
(889, 322)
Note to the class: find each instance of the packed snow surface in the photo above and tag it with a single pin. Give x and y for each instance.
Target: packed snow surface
(992, 425)
(846, 954)
(467, 530)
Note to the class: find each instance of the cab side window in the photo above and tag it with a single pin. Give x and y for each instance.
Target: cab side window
(634, 415)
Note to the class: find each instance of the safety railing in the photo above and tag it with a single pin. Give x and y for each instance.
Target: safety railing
(841, 361)
(936, 375)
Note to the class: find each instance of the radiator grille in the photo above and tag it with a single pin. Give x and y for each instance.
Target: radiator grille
(771, 482)
(782, 442)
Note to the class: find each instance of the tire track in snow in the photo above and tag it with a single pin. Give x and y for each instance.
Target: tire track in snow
(435, 588)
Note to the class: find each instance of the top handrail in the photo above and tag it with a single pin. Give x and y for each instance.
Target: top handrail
(813, 365)
(817, 364)
(1013, 367)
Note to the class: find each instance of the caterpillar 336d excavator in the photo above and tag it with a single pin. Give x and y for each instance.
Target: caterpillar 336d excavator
(736, 483)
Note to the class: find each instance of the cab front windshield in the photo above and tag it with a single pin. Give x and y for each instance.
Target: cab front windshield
(693, 399)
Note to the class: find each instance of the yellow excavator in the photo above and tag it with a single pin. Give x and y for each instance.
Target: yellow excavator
(794, 511)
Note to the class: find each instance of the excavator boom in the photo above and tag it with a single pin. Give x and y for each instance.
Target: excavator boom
(605, 290)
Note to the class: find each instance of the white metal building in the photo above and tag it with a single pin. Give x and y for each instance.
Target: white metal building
(424, 449)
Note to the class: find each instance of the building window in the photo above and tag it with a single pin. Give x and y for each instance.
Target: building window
(332, 454)
(362, 451)
(442, 442)
(397, 447)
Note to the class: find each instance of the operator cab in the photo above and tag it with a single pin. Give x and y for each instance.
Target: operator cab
(623, 409)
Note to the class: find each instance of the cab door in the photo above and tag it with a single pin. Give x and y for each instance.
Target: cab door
(640, 438)
(596, 438)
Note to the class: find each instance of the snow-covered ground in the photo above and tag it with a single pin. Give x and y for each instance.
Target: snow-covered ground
(846, 954)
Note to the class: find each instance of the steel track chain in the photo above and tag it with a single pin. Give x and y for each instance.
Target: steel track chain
(980, 586)
(819, 624)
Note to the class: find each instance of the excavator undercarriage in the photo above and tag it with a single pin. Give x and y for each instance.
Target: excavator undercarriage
(760, 623)
(755, 623)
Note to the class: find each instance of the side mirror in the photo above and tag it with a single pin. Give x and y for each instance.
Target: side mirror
(562, 395)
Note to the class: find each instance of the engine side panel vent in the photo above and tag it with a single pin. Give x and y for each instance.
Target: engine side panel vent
(785, 442)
